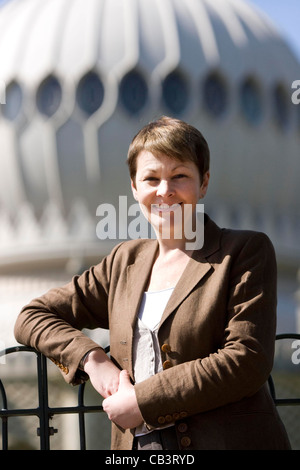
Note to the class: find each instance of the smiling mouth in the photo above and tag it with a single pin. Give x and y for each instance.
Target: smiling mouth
(165, 207)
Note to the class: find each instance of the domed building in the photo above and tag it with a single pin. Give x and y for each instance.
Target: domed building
(82, 77)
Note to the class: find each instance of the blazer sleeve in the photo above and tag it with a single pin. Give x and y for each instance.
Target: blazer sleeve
(52, 323)
(242, 363)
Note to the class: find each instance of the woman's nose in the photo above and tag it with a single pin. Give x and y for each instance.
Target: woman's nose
(165, 188)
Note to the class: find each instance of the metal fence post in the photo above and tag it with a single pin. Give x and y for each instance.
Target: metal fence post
(43, 430)
(4, 419)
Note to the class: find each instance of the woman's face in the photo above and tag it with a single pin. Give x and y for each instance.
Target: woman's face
(165, 187)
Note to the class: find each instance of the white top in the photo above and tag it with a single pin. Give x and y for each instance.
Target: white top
(152, 307)
(146, 350)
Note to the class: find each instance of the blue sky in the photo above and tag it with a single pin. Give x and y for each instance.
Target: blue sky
(286, 15)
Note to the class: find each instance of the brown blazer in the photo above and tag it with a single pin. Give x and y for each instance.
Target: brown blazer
(217, 337)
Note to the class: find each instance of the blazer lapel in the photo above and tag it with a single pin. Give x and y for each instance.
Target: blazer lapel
(138, 277)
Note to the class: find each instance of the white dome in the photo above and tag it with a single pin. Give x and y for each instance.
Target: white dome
(83, 76)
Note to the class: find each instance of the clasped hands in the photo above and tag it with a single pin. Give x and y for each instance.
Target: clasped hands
(114, 386)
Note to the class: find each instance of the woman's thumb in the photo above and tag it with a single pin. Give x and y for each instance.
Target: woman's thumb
(124, 378)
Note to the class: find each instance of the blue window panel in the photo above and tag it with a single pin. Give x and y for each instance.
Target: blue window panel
(133, 92)
(175, 93)
(90, 93)
(215, 95)
(13, 101)
(49, 96)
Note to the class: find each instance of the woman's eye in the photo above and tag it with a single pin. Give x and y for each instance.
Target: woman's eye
(151, 178)
(180, 176)
(155, 179)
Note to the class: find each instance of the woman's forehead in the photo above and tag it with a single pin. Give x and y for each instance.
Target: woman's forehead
(147, 159)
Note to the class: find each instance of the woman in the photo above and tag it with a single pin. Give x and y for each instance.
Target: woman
(191, 330)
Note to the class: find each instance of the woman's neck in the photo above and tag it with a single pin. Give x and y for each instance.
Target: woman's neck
(172, 246)
(168, 267)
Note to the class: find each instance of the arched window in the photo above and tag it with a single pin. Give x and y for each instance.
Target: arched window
(49, 95)
(215, 95)
(90, 93)
(133, 92)
(13, 101)
(251, 101)
(175, 92)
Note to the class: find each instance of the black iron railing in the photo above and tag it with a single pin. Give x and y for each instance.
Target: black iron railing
(45, 413)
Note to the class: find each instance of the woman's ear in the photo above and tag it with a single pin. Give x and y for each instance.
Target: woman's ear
(134, 190)
(204, 184)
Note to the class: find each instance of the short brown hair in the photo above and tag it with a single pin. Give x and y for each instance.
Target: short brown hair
(171, 137)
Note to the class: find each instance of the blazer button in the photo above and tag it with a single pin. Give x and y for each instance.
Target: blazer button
(167, 365)
(161, 420)
(169, 418)
(185, 441)
(182, 427)
(166, 348)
